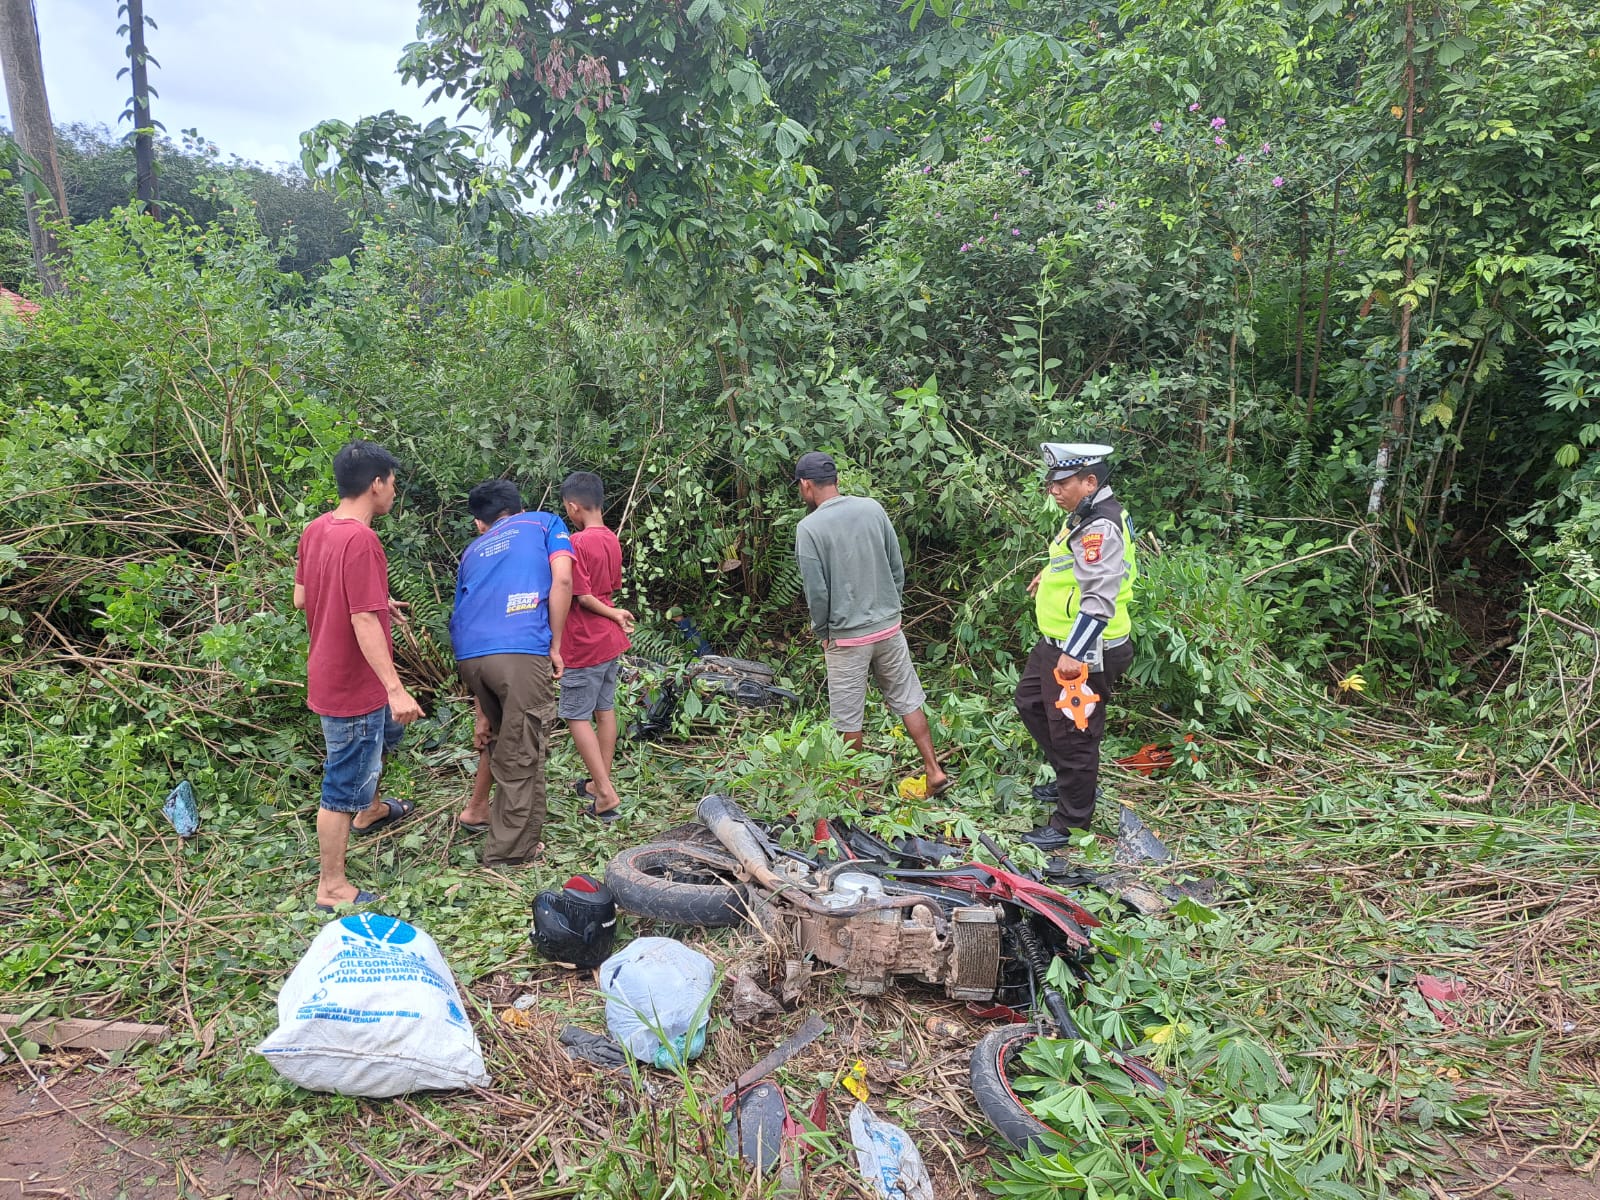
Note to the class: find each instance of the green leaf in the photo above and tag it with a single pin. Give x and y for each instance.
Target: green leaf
(1283, 1116)
(1191, 909)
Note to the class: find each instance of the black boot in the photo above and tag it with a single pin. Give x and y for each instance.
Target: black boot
(1046, 838)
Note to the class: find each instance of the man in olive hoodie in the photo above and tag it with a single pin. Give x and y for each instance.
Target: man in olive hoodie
(853, 573)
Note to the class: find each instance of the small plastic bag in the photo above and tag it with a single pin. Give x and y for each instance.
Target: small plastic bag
(658, 992)
(181, 811)
(888, 1157)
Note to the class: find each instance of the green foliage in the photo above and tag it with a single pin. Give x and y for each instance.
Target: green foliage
(923, 240)
(309, 226)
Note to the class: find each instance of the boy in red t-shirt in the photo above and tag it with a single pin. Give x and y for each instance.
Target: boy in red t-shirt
(341, 583)
(596, 637)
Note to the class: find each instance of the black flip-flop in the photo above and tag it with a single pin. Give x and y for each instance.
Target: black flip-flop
(756, 1120)
(610, 814)
(471, 828)
(582, 788)
(361, 898)
(399, 810)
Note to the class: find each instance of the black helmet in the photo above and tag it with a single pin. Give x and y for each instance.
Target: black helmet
(576, 926)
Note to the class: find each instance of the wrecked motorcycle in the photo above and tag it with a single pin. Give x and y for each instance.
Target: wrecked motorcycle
(879, 912)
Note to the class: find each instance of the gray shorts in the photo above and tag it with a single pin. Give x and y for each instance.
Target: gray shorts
(888, 663)
(588, 690)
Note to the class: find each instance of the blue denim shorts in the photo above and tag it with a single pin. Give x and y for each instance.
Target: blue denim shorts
(355, 750)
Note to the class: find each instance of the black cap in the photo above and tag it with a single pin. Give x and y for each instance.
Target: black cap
(815, 466)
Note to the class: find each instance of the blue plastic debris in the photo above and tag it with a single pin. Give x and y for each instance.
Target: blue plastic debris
(181, 811)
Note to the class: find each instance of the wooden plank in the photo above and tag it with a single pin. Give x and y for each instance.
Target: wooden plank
(76, 1033)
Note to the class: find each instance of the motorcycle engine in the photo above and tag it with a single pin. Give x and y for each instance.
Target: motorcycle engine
(874, 945)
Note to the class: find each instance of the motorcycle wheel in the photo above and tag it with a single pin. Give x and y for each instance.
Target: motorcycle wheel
(992, 1060)
(678, 883)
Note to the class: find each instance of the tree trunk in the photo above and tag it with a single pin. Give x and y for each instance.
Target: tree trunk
(144, 151)
(1322, 311)
(1300, 307)
(30, 117)
(1397, 409)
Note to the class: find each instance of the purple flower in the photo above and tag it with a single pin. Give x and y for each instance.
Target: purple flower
(1155, 126)
(1024, 171)
(1277, 181)
(1217, 140)
(988, 137)
(1240, 159)
(1195, 107)
(1219, 122)
(1340, 251)
(981, 241)
(996, 216)
(1016, 232)
(1266, 147)
(965, 246)
(927, 170)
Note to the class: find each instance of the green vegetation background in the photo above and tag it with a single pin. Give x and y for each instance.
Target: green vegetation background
(925, 241)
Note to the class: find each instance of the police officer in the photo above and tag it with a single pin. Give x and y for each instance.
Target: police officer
(1082, 606)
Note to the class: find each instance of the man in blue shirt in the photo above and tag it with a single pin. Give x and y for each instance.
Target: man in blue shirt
(513, 589)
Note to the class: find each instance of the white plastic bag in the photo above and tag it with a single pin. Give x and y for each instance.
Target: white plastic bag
(372, 1010)
(656, 992)
(888, 1158)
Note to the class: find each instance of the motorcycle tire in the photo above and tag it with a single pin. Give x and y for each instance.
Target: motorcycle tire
(675, 882)
(992, 1059)
(991, 1086)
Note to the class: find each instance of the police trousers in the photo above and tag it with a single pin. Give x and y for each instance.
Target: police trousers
(1073, 752)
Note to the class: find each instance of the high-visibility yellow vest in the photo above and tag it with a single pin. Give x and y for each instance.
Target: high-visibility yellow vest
(1055, 606)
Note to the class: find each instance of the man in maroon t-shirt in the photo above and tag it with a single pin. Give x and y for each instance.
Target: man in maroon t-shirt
(341, 582)
(596, 637)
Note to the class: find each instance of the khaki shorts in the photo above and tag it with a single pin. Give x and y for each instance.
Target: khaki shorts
(888, 663)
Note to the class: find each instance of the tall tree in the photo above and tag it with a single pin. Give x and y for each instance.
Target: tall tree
(139, 58)
(30, 116)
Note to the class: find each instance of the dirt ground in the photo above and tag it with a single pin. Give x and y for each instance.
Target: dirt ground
(54, 1142)
(57, 1144)
(1509, 1175)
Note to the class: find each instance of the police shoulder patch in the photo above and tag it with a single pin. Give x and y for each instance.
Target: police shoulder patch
(1091, 543)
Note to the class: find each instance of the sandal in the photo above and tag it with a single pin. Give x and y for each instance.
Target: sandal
(582, 788)
(362, 898)
(469, 827)
(610, 814)
(399, 810)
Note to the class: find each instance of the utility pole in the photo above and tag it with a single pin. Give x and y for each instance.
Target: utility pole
(144, 155)
(36, 136)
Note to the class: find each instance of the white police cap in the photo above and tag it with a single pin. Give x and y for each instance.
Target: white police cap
(1063, 460)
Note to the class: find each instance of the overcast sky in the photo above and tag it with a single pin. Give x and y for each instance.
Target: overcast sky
(250, 75)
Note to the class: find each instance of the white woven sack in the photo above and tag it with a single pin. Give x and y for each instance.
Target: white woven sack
(372, 1010)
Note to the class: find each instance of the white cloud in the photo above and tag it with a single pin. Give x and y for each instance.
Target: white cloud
(251, 75)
